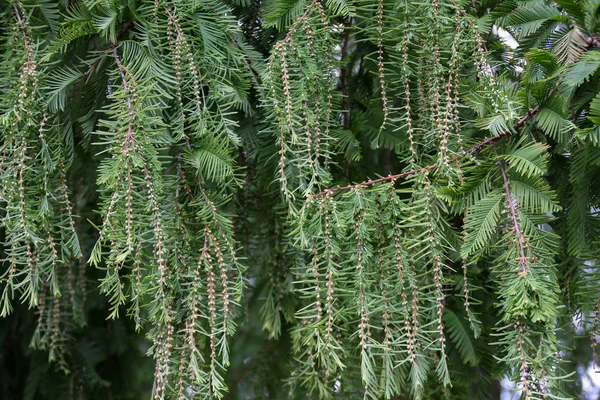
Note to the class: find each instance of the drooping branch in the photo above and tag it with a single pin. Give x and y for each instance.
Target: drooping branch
(288, 37)
(523, 259)
(380, 66)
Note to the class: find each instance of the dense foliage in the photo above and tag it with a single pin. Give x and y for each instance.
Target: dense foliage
(298, 198)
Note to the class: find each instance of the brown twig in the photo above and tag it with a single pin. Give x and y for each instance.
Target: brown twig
(18, 14)
(129, 137)
(344, 79)
(126, 27)
(301, 19)
(523, 259)
(520, 123)
(86, 74)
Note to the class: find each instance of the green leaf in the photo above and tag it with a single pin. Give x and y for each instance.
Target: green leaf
(533, 198)
(594, 112)
(570, 46)
(481, 222)
(529, 160)
(580, 71)
(342, 8)
(460, 335)
(212, 165)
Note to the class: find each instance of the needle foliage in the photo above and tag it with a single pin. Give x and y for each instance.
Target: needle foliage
(389, 199)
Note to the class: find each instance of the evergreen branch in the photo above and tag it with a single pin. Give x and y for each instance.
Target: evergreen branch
(390, 178)
(380, 67)
(523, 260)
(364, 281)
(126, 27)
(288, 37)
(19, 20)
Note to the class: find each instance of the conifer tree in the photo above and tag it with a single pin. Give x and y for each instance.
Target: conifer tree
(331, 199)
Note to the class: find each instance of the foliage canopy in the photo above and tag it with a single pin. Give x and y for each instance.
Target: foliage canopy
(298, 199)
